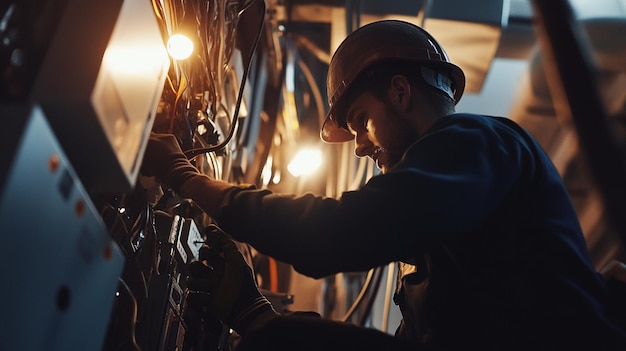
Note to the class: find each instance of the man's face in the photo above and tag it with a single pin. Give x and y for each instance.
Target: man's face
(379, 132)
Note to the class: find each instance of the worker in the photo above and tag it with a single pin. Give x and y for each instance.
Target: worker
(489, 250)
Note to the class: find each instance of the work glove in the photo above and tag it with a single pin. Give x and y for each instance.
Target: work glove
(227, 283)
(165, 160)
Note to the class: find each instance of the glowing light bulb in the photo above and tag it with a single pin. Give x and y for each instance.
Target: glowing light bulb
(306, 161)
(179, 46)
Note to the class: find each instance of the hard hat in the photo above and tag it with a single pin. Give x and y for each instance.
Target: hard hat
(375, 42)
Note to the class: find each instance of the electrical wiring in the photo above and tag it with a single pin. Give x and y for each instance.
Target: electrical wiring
(227, 164)
(365, 166)
(207, 35)
(191, 153)
(315, 90)
(127, 237)
(217, 64)
(181, 89)
(208, 165)
(231, 19)
(138, 226)
(369, 302)
(170, 83)
(117, 215)
(137, 235)
(112, 226)
(215, 23)
(245, 7)
(370, 285)
(359, 297)
(193, 95)
(133, 313)
(158, 9)
(206, 31)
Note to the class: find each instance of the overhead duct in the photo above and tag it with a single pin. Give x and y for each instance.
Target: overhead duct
(536, 111)
(535, 108)
(470, 32)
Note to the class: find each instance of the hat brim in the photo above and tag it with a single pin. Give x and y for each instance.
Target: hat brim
(331, 132)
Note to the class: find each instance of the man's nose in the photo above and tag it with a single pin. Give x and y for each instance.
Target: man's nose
(362, 145)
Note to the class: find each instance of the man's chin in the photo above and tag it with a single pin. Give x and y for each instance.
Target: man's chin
(384, 165)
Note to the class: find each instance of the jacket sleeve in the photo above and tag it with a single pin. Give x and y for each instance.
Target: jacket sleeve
(449, 182)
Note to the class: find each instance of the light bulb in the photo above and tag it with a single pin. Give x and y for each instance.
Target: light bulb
(179, 46)
(306, 161)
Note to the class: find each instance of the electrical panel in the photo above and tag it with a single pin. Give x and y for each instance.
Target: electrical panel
(98, 253)
(60, 265)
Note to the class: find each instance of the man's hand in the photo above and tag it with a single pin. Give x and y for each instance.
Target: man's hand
(165, 160)
(228, 282)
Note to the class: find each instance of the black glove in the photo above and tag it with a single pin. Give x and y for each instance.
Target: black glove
(165, 160)
(228, 283)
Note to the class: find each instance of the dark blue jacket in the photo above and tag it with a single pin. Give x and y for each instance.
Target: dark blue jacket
(478, 199)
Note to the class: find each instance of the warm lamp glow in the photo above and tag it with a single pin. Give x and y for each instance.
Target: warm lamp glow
(179, 46)
(306, 161)
(134, 61)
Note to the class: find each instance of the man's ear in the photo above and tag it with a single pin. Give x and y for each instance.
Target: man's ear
(400, 92)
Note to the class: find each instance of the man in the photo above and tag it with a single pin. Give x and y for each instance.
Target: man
(489, 249)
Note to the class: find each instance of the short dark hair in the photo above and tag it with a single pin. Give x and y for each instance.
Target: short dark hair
(377, 78)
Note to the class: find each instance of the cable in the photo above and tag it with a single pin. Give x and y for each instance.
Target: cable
(317, 94)
(359, 298)
(245, 7)
(133, 338)
(209, 164)
(367, 309)
(234, 118)
(191, 153)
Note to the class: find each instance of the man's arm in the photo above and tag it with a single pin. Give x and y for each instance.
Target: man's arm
(165, 160)
(206, 192)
